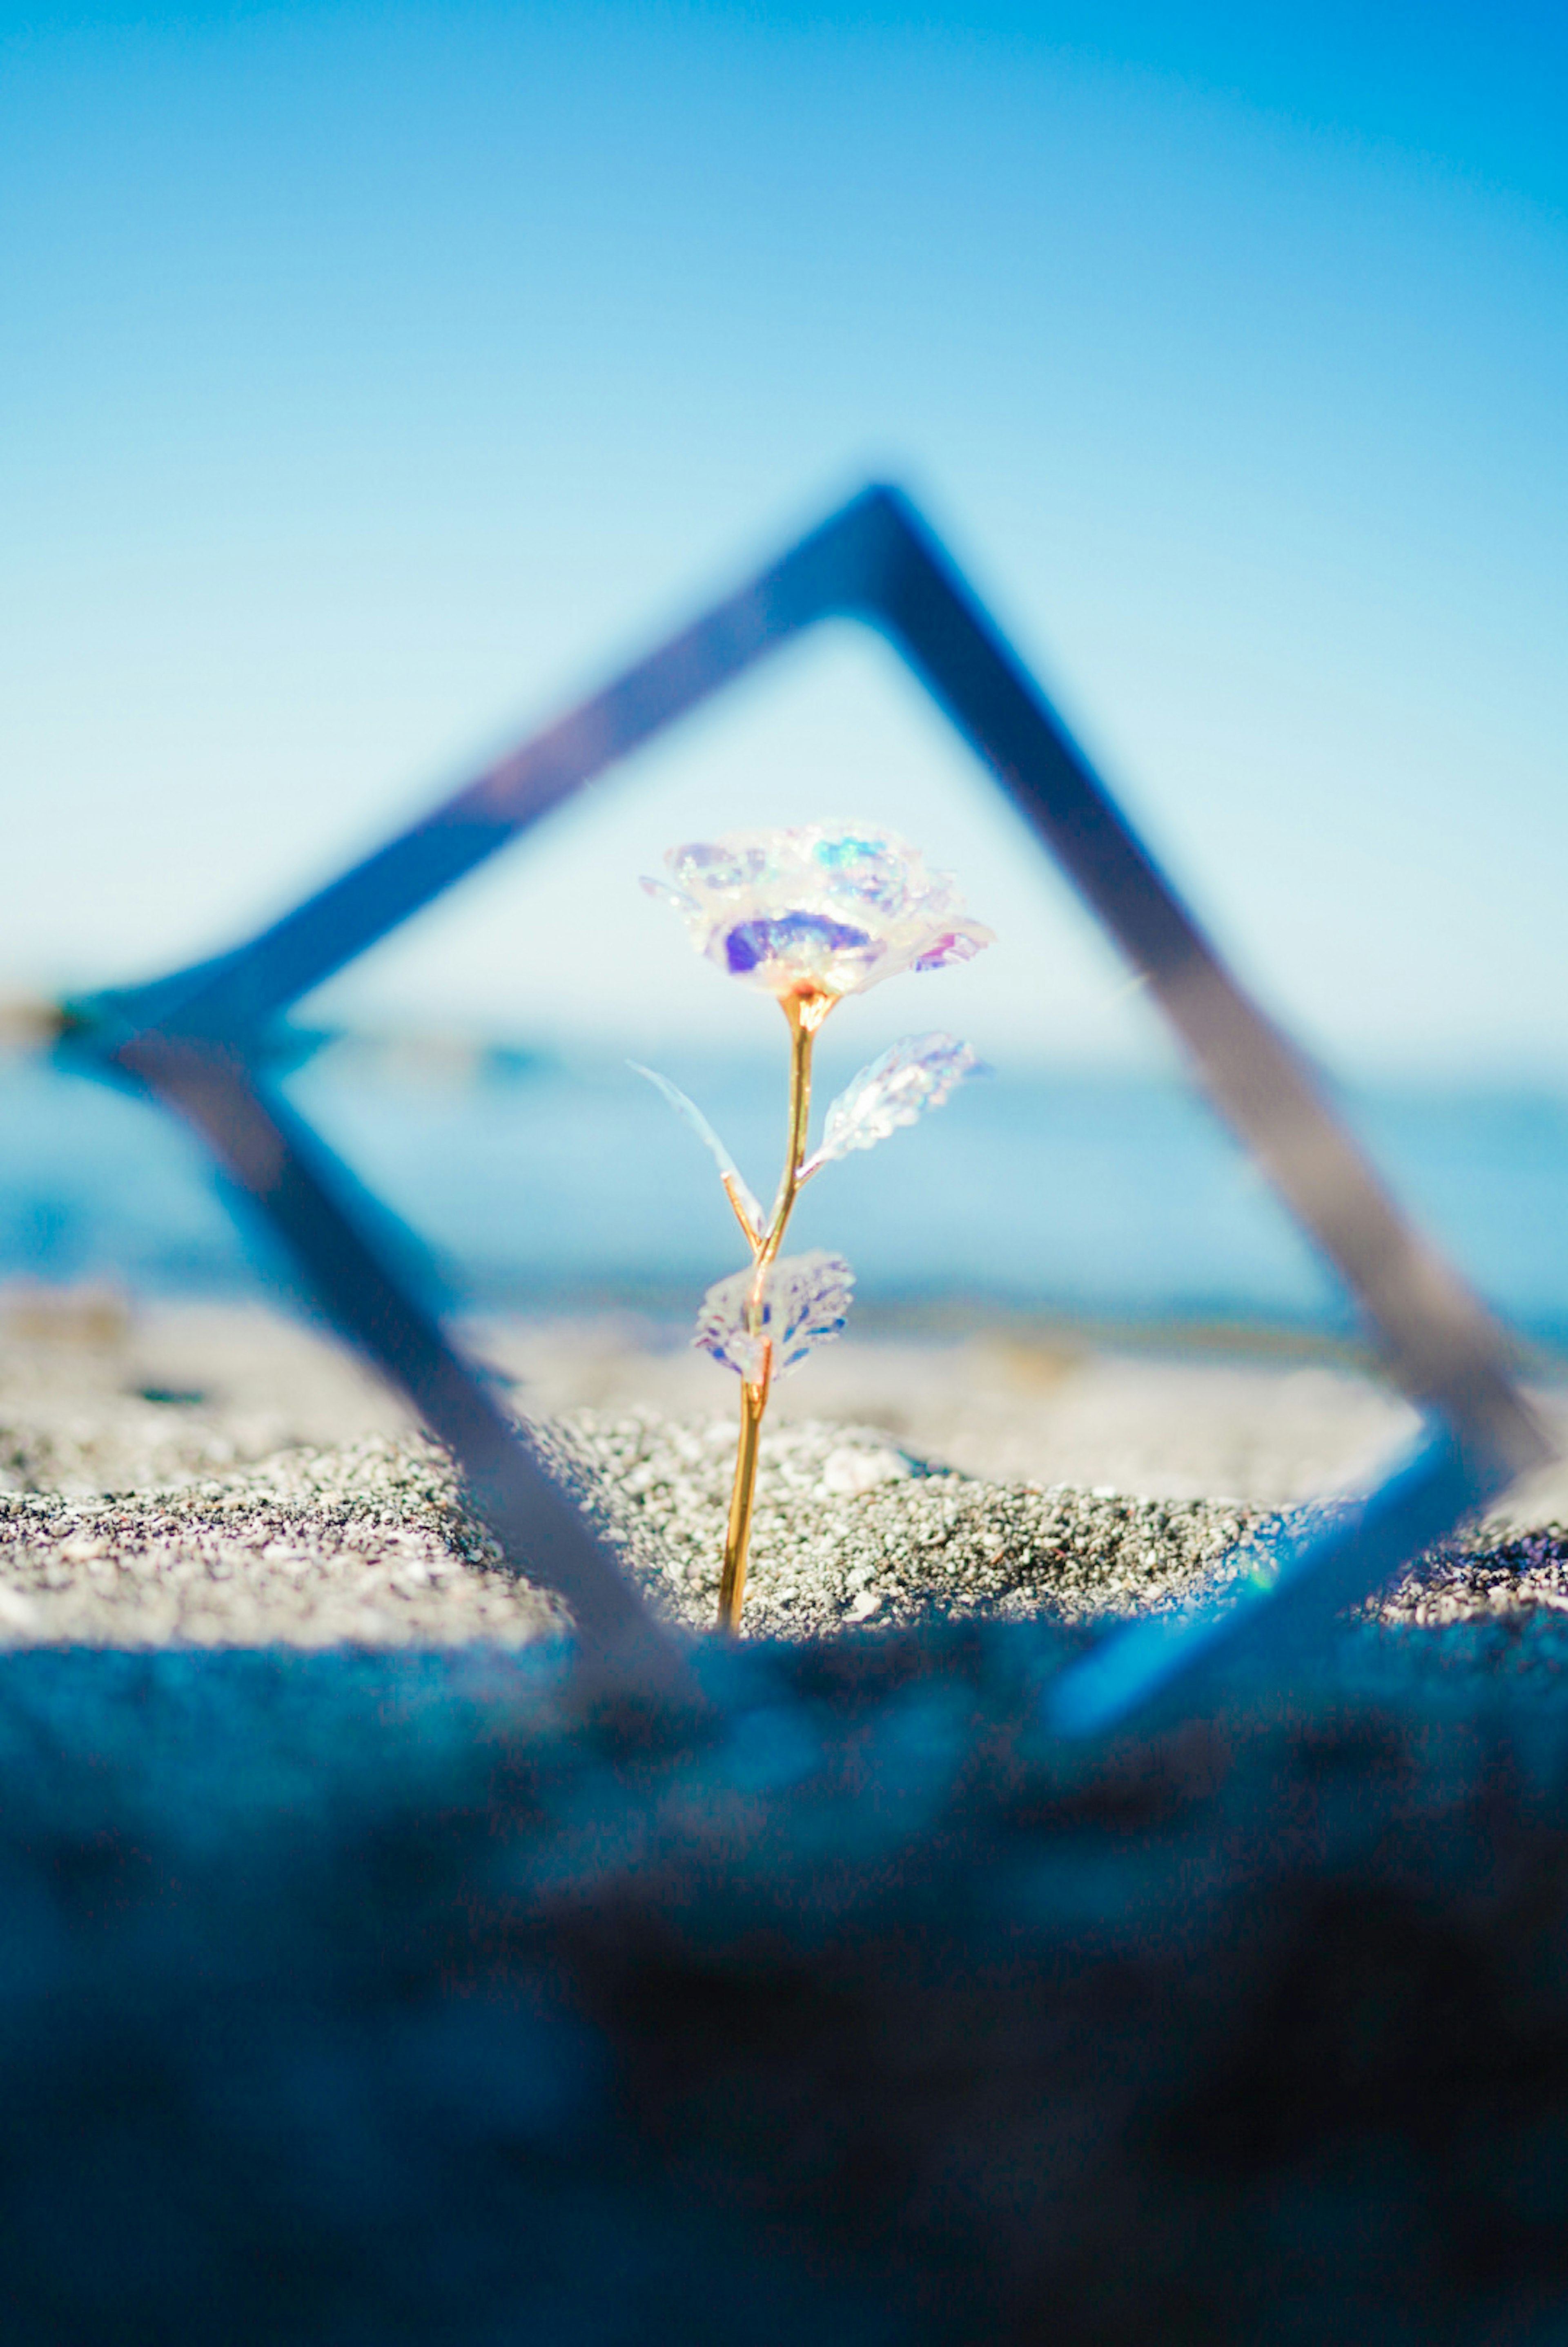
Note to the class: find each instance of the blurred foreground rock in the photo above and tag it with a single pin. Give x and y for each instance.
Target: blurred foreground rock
(347, 1998)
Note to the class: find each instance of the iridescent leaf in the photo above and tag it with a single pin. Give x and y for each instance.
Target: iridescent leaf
(916, 1073)
(805, 1303)
(748, 1211)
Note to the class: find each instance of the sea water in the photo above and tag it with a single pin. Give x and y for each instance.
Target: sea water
(563, 1182)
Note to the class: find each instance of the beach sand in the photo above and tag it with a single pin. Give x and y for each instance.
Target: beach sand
(212, 1475)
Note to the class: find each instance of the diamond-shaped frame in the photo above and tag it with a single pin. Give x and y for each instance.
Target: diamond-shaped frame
(195, 1040)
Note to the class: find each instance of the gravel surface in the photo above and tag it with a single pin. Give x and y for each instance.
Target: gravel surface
(220, 1478)
(852, 1528)
(369, 1544)
(365, 1544)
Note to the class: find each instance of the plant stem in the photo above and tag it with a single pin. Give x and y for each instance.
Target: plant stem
(805, 1014)
(743, 1494)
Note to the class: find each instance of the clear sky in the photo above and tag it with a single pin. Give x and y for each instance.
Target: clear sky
(372, 379)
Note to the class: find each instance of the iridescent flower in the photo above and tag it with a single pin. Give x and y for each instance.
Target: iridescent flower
(807, 916)
(818, 911)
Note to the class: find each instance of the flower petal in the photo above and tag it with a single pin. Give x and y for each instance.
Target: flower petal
(805, 1303)
(806, 945)
(915, 1073)
(960, 943)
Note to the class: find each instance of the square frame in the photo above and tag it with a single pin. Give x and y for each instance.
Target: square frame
(195, 1042)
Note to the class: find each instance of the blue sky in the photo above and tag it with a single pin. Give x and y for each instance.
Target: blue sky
(374, 379)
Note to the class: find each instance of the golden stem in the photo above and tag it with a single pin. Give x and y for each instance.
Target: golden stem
(743, 1494)
(802, 1035)
(805, 1014)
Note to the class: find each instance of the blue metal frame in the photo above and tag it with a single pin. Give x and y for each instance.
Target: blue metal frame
(195, 1040)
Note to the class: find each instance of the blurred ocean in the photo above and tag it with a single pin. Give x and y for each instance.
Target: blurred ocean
(1116, 1201)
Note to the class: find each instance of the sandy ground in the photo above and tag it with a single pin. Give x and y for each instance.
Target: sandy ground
(213, 1475)
(94, 1397)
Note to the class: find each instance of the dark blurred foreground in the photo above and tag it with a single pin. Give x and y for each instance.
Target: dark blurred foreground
(360, 1999)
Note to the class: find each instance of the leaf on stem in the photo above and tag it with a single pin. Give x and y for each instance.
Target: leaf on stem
(805, 1303)
(749, 1213)
(915, 1073)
